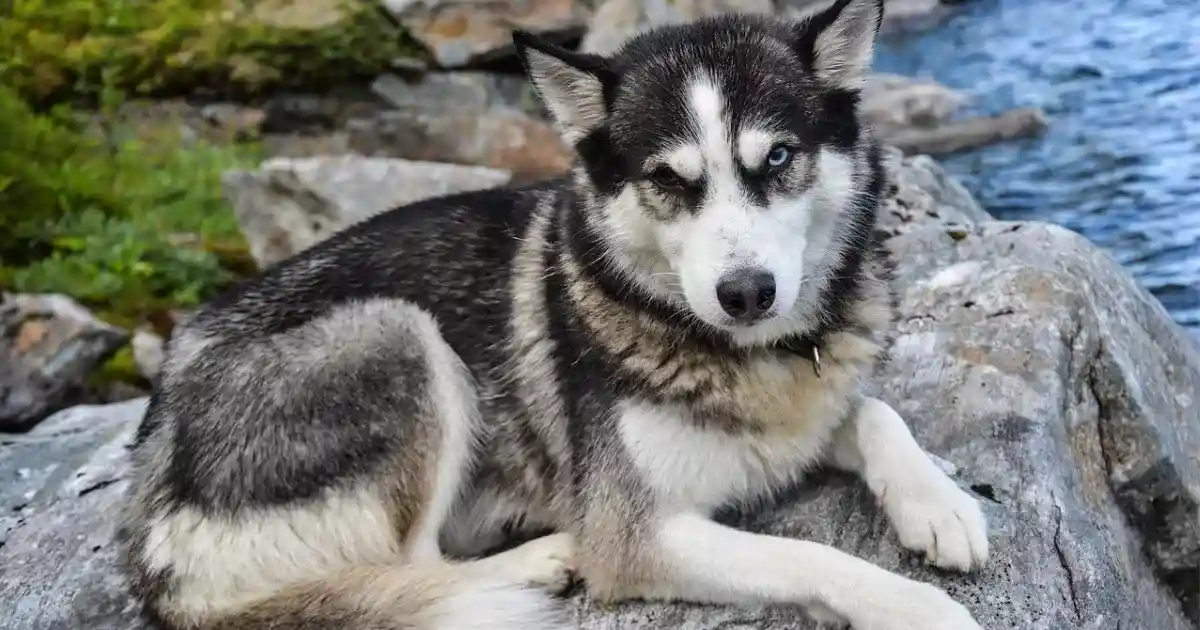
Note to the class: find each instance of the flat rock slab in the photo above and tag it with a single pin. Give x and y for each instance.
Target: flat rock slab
(48, 346)
(288, 204)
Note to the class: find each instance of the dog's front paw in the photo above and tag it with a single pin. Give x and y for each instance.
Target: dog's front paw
(912, 605)
(932, 515)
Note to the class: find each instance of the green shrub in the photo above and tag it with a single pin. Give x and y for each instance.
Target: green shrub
(129, 229)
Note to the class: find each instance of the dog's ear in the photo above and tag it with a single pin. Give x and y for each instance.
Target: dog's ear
(838, 43)
(573, 86)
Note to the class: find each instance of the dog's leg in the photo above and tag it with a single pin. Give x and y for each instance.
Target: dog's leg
(699, 560)
(931, 514)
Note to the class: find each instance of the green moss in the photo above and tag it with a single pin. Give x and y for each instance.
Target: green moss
(51, 49)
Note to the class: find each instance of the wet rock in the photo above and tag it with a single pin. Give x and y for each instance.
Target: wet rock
(288, 204)
(618, 20)
(459, 33)
(962, 135)
(499, 138)
(920, 116)
(892, 102)
(49, 344)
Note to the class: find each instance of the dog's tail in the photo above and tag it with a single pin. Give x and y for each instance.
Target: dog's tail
(186, 585)
(400, 598)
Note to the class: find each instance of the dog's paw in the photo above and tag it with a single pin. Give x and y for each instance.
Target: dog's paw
(548, 562)
(912, 605)
(932, 515)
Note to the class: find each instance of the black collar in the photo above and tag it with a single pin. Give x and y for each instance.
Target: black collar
(804, 347)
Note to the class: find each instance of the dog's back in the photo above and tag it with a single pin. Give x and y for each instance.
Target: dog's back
(312, 429)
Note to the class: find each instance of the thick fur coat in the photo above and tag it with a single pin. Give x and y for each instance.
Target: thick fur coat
(599, 362)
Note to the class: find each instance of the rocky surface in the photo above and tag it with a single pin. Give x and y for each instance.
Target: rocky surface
(288, 204)
(48, 346)
(478, 91)
(618, 20)
(497, 137)
(1066, 397)
(961, 135)
(466, 32)
(1027, 357)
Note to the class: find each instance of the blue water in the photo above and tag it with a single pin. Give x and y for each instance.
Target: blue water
(1120, 80)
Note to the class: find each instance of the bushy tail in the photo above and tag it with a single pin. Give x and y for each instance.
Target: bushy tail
(452, 597)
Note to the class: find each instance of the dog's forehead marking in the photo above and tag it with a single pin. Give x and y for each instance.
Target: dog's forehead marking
(753, 146)
(706, 105)
(687, 160)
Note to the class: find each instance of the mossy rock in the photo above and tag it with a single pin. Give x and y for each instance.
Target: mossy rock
(52, 50)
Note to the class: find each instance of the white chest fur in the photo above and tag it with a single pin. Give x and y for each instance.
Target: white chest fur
(692, 468)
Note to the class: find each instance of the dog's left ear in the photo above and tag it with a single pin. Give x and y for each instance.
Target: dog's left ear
(572, 85)
(838, 43)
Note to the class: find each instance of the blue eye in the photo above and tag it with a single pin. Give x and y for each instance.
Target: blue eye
(779, 156)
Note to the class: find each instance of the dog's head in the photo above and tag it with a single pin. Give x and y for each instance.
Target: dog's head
(721, 159)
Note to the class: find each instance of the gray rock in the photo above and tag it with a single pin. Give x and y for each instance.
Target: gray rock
(286, 205)
(459, 33)
(62, 484)
(921, 192)
(49, 344)
(963, 135)
(892, 101)
(1027, 358)
(479, 91)
(618, 20)
(919, 116)
(498, 137)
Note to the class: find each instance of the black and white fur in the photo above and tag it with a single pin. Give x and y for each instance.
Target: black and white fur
(684, 323)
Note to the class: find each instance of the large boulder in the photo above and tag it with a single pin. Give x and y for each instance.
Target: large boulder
(1027, 357)
(1066, 397)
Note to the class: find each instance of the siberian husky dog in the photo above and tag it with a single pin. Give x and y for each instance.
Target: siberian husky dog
(594, 364)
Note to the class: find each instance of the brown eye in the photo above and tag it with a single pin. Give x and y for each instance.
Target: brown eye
(666, 178)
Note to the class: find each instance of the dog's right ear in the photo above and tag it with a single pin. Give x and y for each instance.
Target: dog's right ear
(573, 86)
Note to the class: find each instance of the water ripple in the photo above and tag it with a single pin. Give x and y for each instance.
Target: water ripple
(1120, 80)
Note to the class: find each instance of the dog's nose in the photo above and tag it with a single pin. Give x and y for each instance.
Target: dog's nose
(745, 294)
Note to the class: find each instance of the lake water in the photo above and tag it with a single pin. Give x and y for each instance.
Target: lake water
(1120, 81)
